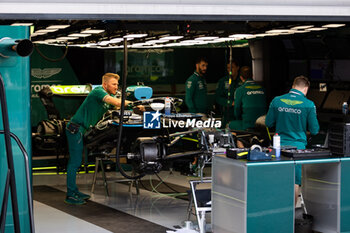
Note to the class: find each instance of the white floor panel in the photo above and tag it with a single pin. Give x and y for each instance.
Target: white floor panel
(157, 208)
(48, 219)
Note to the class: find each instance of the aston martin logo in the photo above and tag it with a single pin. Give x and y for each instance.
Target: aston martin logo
(45, 73)
(291, 102)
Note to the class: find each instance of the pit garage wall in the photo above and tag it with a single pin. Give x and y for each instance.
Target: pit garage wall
(165, 70)
(181, 9)
(15, 72)
(50, 67)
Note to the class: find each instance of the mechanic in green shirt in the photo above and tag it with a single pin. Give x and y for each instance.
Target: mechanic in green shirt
(249, 102)
(196, 88)
(89, 113)
(225, 91)
(293, 114)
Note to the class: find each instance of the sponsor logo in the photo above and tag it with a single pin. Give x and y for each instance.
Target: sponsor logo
(200, 85)
(152, 120)
(255, 93)
(289, 110)
(61, 89)
(45, 73)
(291, 102)
(189, 84)
(71, 89)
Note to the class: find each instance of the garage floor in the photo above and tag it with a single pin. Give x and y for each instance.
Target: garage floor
(121, 211)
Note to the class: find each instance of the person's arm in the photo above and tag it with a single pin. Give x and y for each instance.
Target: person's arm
(115, 101)
(190, 90)
(312, 121)
(270, 120)
(238, 103)
(220, 96)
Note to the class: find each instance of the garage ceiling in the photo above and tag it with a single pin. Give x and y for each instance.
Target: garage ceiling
(176, 9)
(155, 34)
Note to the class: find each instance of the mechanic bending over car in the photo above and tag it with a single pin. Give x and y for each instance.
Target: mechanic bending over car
(293, 114)
(89, 113)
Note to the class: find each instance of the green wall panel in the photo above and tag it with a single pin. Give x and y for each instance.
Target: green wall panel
(16, 75)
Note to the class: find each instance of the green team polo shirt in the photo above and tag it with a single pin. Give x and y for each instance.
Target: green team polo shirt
(293, 114)
(250, 103)
(196, 94)
(92, 109)
(222, 89)
(225, 94)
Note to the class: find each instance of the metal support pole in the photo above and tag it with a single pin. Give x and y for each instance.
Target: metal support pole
(9, 155)
(229, 88)
(29, 190)
(122, 107)
(4, 203)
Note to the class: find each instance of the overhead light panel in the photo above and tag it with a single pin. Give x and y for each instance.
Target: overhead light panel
(221, 39)
(212, 41)
(261, 35)
(333, 25)
(277, 31)
(156, 41)
(106, 42)
(192, 42)
(22, 24)
(58, 26)
(201, 42)
(44, 31)
(79, 35)
(301, 27)
(171, 38)
(172, 44)
(133, 36)
(315, 29)
(40, 42)
(66, 38)
(90, 45)
(37, 34)
(265, 34)
(116, 40)
(242, 36)
(207, 38)
(158, 46)
(189, 42)
(93, 31)
(51, 40)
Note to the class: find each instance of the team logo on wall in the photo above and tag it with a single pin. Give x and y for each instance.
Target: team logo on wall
(45, 73)
(151, 120)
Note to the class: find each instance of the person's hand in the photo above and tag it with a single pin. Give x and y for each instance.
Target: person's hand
(141, 108)
(233, 103)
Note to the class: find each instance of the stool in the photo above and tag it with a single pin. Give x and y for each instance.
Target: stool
(99, 162)
(202, 202)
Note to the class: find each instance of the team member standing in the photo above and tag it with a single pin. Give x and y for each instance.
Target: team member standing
(225, 91)
(249, 102)
(293, 114)
(196, 88)
(89, 113)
